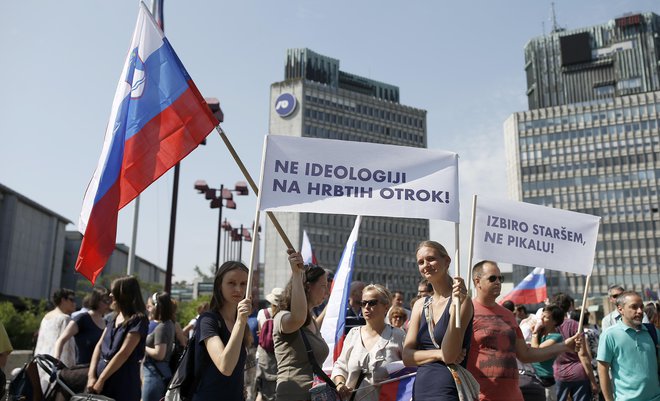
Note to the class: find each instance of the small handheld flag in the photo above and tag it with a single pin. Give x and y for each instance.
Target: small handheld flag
(532, 290)
(158, 116)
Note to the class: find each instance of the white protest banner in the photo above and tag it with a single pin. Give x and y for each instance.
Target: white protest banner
(533, 235)
(358, 178)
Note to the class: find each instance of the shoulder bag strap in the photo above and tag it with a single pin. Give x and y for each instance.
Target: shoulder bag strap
(315, 366)
(428, 312)
(266, 313)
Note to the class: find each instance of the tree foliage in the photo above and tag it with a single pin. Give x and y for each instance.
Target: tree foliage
(22, 325)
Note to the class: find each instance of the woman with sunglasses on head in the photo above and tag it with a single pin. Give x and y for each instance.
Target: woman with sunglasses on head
(306, 289)
(433, 341)
(222, 336)
(86, 328)
(114, 370)
(368, 349)
(156, 371)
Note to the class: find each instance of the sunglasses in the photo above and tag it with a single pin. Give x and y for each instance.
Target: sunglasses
(371, 302)
(615, 296)
(492, 279)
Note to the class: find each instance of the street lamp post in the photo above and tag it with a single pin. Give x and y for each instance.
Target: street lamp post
(217, 196)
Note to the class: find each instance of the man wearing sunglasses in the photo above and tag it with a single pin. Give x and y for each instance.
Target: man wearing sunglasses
(614, 317)
(497, 340)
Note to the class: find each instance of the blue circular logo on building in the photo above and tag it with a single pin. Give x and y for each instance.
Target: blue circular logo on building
(285, 104)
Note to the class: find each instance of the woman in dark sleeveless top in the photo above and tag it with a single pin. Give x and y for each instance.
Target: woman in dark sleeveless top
(434, 380)
(222, 335)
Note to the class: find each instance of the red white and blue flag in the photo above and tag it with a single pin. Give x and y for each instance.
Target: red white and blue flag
(398, 386)
(158, 116)
(307, 251)
(532, 290)
(334, 322)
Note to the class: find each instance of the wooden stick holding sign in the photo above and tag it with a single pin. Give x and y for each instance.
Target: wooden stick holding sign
(254, 187)
(457, 265)
(471, 244)
(584, 304)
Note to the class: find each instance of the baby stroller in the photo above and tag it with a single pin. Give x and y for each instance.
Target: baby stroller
(27, 387)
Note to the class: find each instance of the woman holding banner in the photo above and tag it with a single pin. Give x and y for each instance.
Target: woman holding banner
(222, 336)
(433, 341)
(295, 331)
(369, 349)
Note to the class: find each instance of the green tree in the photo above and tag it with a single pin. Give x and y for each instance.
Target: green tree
(188, 309)
(22, 325)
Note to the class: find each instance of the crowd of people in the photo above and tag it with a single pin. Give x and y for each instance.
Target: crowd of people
(276, 352)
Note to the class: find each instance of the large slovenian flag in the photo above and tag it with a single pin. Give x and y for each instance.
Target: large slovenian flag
(334, 321)
(532, 290)
(158, 116)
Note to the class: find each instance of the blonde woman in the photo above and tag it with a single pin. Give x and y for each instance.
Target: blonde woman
(368, 349)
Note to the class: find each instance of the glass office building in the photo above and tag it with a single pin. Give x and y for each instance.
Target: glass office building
(591, 143)
(321, 101)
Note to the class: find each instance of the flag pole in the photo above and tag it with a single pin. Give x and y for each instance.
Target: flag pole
(131, 252)
(471, 244)
(584, 302)
(254, 248)
(457, 264)
(157, 11)
(250, 181)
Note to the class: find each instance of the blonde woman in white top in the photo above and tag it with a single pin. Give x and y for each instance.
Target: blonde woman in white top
(368, 348)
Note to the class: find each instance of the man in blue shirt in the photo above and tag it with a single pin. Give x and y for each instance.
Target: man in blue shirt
(629, 352)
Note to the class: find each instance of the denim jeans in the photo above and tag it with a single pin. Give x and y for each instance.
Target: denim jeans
(579, 390)
(153, 385)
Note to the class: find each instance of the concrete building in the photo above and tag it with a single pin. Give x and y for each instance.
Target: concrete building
(591, 143)
(38, 255)
(151, 275)
(31, 247)
(324, 102)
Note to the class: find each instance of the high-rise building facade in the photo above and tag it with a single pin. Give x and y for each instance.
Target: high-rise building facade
(591, 143)
(318, 100)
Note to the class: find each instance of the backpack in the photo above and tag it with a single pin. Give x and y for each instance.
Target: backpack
(25, 385)
(266, 334)
(185, 380)
(177, 354)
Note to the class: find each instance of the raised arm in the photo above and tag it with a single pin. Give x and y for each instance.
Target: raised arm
(298, 308)
(225, 356)
(452, 343)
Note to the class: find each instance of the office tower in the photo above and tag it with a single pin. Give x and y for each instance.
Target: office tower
(317, 99)
(590, 143)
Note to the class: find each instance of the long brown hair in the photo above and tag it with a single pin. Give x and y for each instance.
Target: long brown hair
(128, 297)
(217, 300)
(312, 274)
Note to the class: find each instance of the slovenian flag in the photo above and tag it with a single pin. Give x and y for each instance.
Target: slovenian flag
(158, 116)
(334, 322)
(307, 251)
(399, 385)
(532, 290)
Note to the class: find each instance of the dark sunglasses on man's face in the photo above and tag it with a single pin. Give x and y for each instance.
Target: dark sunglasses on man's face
(371, 302)
(493, 278)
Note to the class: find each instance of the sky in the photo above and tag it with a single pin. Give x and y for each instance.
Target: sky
(462, 61)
